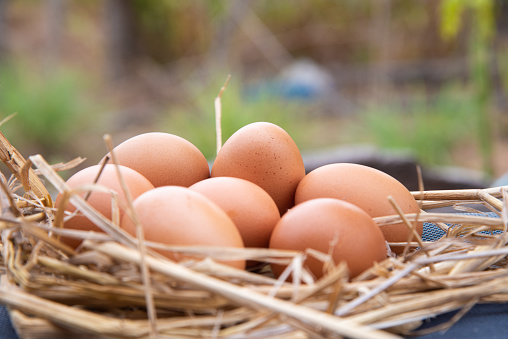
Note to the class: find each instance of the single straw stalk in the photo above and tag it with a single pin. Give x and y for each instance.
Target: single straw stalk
(218, 115)
(494, 223)
(460, 194)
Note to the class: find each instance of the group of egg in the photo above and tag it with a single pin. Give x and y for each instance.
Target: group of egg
(257, 194)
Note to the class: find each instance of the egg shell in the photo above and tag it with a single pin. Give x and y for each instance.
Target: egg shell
(176, 215)
(330, 226)
(249, 206)
(266, 155)
(367, 188)
(164, 159)
(101, 201)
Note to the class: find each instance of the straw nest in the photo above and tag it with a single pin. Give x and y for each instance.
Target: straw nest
(116, 287)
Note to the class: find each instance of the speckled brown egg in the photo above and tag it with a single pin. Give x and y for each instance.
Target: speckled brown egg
(101, 201)
(164, 159)
(367, 188)
(331, 226)
(266, 155)
(249, 206)
(176, 215)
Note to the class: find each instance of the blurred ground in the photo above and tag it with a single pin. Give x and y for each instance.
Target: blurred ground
(137, 65)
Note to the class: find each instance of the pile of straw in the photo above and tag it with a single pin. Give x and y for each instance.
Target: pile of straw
(117, 287)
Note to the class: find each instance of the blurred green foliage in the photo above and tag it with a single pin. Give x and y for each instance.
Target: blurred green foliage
(430, 129)
(196, 122)
(452, 14)
(169, 29)
(480, 47)
(53, 108)
(49, 107)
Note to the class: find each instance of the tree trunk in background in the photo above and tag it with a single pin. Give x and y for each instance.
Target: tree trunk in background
(221, 42)
(3, 30)
(55, 12)
(501, 38)
(121, 47)
(380, 37)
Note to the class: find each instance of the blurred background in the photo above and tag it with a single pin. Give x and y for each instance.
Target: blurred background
(424, 80)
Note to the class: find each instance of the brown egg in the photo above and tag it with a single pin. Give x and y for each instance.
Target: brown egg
(330, 226)
(176, 215)
(367, 188)
(101, 201)
(249, 206)
(164, 159)
(264, 154)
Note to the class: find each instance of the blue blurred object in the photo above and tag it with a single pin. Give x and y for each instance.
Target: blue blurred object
(303, 79)
(501, 181)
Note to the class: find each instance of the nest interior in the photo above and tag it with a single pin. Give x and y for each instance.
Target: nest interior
(117, 287)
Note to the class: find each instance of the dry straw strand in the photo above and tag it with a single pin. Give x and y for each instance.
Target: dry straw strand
(218, 114)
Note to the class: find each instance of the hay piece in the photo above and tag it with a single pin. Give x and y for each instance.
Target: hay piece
(15, 162)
